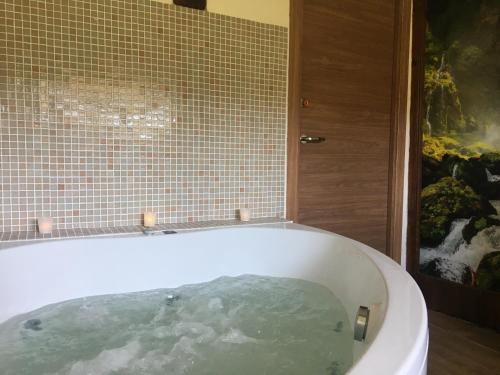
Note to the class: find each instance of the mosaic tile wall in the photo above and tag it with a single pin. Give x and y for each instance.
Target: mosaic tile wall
(113, 107)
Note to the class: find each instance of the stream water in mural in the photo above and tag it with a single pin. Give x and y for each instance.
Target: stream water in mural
(460, 212)
(232, 325)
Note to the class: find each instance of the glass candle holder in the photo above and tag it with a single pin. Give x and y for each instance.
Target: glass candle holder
(245, 214)
(44, 225)
(149, 219)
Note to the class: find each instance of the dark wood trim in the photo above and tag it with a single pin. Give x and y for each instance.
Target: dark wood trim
(294, 92)
(466, 302)
(194, 4)
(399, 124)
(416, 116)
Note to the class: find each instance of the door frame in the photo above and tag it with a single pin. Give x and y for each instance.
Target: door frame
(398, 124)
(294, 105)
(465, 302)
(416, 113)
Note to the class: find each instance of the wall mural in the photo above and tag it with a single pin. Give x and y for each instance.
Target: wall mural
(460, 209)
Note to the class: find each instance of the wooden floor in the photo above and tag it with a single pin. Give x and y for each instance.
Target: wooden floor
(458, 347)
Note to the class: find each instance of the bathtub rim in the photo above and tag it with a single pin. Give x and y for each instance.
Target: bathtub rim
(416, 359)
(408, 361)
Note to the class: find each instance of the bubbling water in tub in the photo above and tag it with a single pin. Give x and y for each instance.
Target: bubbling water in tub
(232, 325)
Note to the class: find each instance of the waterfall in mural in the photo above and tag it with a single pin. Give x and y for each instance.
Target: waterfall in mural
(460, 212)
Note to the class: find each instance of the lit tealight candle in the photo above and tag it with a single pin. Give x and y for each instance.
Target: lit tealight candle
(44, 225)
(149, 219)
(245, 214)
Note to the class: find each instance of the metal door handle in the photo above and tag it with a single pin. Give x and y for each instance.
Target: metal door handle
(305, 139)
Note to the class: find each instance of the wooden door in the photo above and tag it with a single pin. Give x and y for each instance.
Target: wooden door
(347, 59)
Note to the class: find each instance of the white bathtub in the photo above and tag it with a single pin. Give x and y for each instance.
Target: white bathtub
(34, 275)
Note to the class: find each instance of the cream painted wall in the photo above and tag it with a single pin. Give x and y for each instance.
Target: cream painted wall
(274, 12)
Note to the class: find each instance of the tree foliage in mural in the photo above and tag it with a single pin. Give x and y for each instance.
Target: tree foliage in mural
(460, 221)
(443, 106)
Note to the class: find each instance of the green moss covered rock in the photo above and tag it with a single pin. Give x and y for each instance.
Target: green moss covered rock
(488, 272)
(476, 225)
(445, 201)
(432, 171)
(437, 147)
(492, 190)
(491, 160)
(448, 270)
(473, 172)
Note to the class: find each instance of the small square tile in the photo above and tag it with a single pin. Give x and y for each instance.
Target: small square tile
(110, 108)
